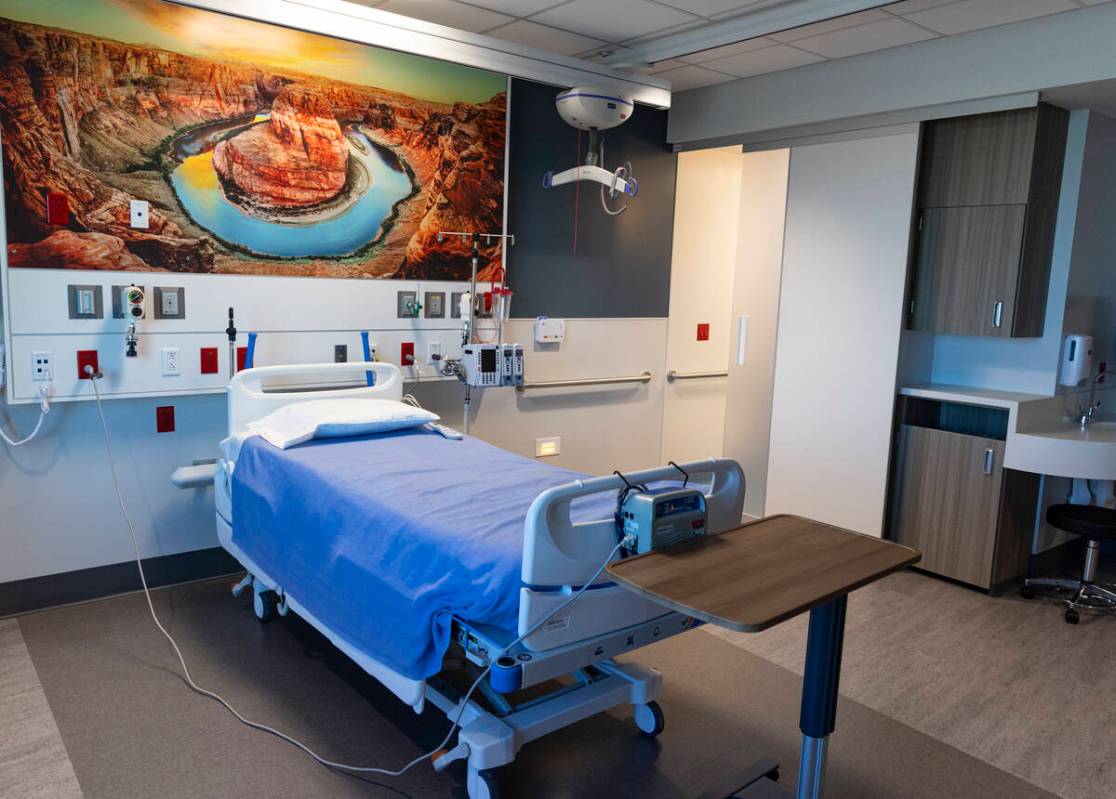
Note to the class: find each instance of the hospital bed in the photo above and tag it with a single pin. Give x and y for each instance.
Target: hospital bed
(554, 540)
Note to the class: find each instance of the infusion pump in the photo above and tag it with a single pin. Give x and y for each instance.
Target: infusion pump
(487, 365)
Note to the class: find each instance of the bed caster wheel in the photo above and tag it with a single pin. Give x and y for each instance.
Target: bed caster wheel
(483, 784)
(649, 718)
(1027, 592)
(1072, 616)
(264, 604)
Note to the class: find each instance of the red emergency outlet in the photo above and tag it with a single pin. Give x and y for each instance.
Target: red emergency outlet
(57, 208)
(86, 358)
(209, 362)
(407, 353)
(164, 419)
(703, 331)
(241, 357)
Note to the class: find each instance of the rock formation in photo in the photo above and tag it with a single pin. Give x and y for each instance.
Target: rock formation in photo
(297, 159)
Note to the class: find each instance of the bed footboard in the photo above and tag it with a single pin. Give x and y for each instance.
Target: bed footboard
(560, 555)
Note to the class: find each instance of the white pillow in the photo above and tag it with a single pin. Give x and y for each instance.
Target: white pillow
(333, 418)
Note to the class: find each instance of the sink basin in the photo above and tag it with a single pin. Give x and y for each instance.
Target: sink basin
(1066, 451)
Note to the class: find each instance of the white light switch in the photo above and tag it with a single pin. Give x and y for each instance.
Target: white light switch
(139, 211)
(172, 362)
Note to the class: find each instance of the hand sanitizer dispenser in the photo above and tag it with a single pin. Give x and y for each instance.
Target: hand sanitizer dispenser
(1077, 359)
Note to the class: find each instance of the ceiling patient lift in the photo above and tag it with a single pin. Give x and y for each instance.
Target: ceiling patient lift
(594, 110)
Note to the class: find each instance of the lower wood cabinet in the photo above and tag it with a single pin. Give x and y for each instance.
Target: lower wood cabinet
(953, 500)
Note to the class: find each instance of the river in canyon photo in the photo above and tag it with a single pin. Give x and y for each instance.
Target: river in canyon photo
(338, 228)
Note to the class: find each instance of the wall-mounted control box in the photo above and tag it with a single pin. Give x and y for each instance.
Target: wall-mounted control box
(85, 302)
(170, 302)
(139, 211)
(550, 331)
(435, 305)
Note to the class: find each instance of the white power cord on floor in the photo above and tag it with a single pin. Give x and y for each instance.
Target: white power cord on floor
(44, 409)
(263, 727)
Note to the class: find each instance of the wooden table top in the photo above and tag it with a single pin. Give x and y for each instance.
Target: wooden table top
(762, 573)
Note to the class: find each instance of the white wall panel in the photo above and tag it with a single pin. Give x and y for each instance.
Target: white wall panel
(298, 320)
(840, 318)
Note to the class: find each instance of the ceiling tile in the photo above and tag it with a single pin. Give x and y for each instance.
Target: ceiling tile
(865, 38)
(552, 40)
(708, 8)
(970, 15)
(829, 25)
(447, 12)
(729, 49)
(748, 8)
(613, 20)
(517, 8)
(769, 59)
(911, 6)
(693, 22)
(692, 77)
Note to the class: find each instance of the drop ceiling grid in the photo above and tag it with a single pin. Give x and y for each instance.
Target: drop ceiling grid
(586, 28)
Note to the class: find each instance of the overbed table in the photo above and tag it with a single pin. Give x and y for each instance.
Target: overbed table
(757, 576)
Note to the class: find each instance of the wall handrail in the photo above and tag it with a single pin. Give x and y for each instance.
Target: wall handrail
(673, 375)
(587, 381)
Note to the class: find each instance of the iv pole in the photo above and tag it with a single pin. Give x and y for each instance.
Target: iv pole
(468, 329)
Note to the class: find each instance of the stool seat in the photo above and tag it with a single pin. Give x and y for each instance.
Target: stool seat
(1088, 521)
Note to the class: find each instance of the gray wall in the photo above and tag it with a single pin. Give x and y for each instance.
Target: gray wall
(622, 264)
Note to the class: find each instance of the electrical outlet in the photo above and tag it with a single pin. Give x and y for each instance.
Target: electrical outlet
(172, 361)
(42, 365)
(340, 353)
(433, 352)
(407, 353)
(87, 358)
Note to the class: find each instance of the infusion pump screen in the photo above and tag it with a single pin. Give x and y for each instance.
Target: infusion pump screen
(488, 360)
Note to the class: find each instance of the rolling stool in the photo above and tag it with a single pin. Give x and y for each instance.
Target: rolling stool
(1093, 524)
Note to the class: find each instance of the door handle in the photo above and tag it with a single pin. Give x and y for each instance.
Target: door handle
(998, 313)
(989, 457)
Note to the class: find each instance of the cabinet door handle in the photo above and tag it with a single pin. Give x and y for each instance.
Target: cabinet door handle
(989, 457)
(997, 313)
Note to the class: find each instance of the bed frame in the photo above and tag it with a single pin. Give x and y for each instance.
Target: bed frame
(573, 651)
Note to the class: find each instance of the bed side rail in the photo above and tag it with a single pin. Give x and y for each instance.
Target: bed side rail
(248, 399)
(560, 552)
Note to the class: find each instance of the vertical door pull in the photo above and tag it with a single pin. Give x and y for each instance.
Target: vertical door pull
(998, 313)
(989, 456)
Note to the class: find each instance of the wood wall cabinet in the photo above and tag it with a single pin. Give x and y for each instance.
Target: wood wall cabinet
(987, 206)
(953, 500)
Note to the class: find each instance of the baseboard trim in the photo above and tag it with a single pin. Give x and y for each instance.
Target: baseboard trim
(37, 593)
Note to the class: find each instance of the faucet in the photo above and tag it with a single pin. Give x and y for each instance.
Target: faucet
(1087, 414)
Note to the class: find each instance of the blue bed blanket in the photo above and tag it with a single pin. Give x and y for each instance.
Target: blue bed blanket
(385, 538)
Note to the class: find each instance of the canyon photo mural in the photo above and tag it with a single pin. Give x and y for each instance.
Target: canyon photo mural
(261, 150)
